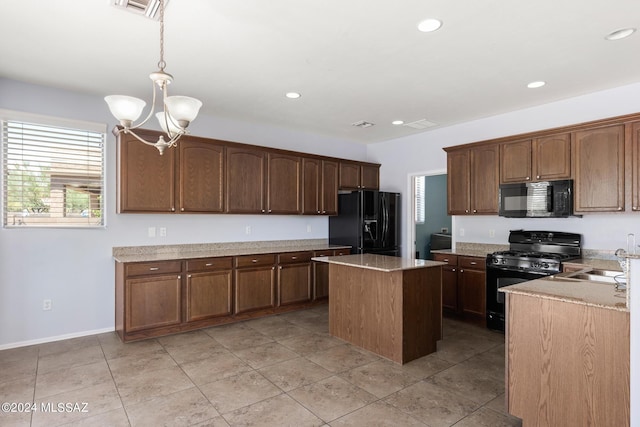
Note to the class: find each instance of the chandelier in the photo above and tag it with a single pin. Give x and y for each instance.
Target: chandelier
(177, 113)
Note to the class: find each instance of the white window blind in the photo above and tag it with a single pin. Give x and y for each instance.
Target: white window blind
(419, 199)
(53, 176)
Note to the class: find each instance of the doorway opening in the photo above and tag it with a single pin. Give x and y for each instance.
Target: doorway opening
(431, 223)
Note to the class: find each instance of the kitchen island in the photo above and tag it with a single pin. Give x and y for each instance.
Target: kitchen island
(388, 305)
(567, 353)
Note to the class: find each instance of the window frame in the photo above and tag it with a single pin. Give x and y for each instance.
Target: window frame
(45, 120)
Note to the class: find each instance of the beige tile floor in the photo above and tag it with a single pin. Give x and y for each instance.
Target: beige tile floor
(283, 370)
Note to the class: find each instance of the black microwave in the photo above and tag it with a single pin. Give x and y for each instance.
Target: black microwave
(545, 199)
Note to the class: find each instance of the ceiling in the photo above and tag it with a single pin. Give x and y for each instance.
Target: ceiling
(352, 60)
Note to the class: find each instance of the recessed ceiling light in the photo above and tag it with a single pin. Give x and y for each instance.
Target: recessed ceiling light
(293, 95)
(397, 122)
(429, 25)
(534, 85)
(620, 34)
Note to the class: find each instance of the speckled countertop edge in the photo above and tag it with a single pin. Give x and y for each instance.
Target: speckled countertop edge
(206, 250)
(379, 262)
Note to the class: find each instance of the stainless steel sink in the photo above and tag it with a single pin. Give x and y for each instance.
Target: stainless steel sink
(596, 275)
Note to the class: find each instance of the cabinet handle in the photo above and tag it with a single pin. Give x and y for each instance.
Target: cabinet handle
(446, 260)
(473, 263)
(527, 179)
(269, 210)
(179, 277)
(262, 210)
(154, 268)
(466, 211)
(280, 268)
(537, 176)
(461, 271)
(318, 211)
(453, 269)
(294, 257)
(188, 276)
(209, 264)
(181, 209)
(173, 209)
(475, 211)
(254, 260)
(324, 212)
(619, 208)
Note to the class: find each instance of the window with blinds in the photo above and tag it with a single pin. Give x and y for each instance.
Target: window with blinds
(419, 199)
(53, 176)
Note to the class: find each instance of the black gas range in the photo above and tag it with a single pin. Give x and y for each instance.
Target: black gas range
(531, 255)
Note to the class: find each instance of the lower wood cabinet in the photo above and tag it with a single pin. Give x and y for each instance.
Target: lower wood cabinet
(464, 287)
(209, 288)
(321, 273)
(294, 278)
(255, 280)
(164, 297)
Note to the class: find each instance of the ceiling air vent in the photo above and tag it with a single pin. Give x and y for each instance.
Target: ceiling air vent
(148, 8)
(420, 124)
(362, 124)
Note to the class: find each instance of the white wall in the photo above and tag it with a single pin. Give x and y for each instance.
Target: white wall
(75, 269)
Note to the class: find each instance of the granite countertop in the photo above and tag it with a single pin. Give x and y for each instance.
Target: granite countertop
(577, 291)
(209, 250)
(480, 250)
(379, 262)
(597, 263)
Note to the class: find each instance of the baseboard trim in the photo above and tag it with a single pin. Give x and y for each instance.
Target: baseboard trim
(54, 338)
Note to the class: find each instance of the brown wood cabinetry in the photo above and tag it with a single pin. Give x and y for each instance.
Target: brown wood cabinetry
(294, 277)
(321, 272)
(463, 287)
(537, 159)
(201, 172)
(359, 176)
(598, 169)
(245, 181)
(567, 363)
(635, 166)
(146, 180)
(472, 180)
(209, 288)
(284, 178)
(319, 186)
(255, 281)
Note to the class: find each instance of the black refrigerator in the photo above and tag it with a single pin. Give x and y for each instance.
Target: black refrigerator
(368, 221)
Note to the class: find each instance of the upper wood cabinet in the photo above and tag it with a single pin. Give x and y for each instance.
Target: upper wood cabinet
(635, 166)
(538, 159)
(246, 171)
(284, 179)
(598, 169)
(319, 186)
(201, 175)
(358, 176)
(146, 179)
(472, 180)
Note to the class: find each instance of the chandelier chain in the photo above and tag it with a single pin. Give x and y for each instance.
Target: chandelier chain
(161, 63)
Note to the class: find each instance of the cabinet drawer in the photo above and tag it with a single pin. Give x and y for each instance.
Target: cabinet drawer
(340, 252)
(255, 260)
(448, 258)
(294, 257)
(476, 263)
(147, 268)
(206, 264)
(328, 252)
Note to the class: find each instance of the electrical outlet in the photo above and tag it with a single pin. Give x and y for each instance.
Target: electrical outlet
(492, 233)
(163, 231)
(151, 232)
(247, 229)
(461, 232)
(47, 304)
(444, 230)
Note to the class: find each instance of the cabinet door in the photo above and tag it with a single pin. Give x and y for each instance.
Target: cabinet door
(635, 165)
(458, 199)
(472, 287)
(321, 275)
(294, 283)
(349, 176)
(449, 289)
(209, 295)
(254, 289)
(283, 184)
(245, 180)
(370, 177)
(152, 301)
(329, 188)
(599, 169)
(201, 176)
(311, 186)
(552, 157)
(147, 179)
(484, 179)
(515, 161)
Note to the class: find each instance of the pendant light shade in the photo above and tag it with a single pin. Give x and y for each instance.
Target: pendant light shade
(183, 108)
(125, 108)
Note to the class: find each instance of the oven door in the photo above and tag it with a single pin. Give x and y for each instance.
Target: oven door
(498, 278)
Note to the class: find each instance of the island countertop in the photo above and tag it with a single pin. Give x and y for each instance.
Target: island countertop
(577, 291)
(379, 262)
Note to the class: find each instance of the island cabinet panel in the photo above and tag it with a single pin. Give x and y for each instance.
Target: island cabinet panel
(245, 180)
(294, 278)
(598, 168)
(209, 288)
(284, 180)
(567, 363)
(255, 280)
(201, 176)
(146, 179)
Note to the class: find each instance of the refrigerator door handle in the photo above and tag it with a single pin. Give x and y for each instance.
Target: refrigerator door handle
(385, 220)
